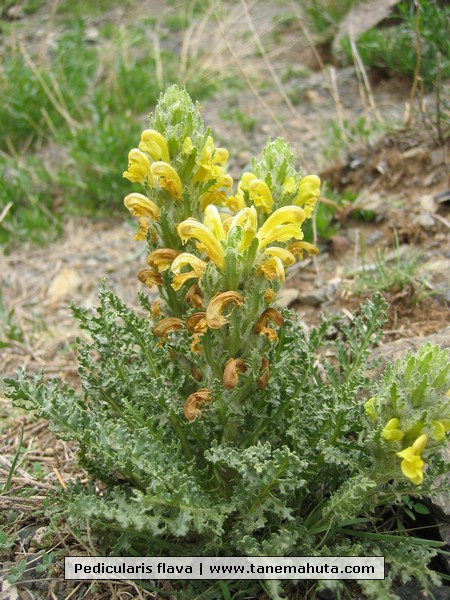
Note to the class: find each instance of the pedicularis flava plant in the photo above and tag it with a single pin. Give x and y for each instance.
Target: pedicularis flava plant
(210, 423)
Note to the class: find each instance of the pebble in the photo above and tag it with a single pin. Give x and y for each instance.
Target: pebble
(49, 451)
(428, 203)
(288, 296)
(425, 220)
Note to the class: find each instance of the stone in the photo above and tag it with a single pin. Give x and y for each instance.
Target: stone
(398, 349)
(287, 297)
(428, 203)
(425, 220)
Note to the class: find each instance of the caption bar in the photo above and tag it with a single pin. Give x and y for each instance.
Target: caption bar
(208, 567)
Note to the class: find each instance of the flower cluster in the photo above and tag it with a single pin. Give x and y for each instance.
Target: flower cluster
(412, 415)
(218, 257)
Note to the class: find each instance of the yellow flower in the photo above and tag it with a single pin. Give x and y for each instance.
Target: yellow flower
(168, 178)
(298, 248)
(260, 194)
(197, 323)
(369, 407)
(412, 465)
(138, 167)
(213, 222)
(162, 258)
(216, 306)
(191, 228)
(308, 193)
(154, 144)
(233, 367)
(439, 429)
(165, 326)
(185, 258)
(273, 268)
(194, 296)
(211, 163)
(282, 225)
(246, 218)
(150, 277)
(212, 196)
(193, 403)
(236, 202)
(262, 325)
(246, 178)
(289, 186)
(392, 430)
(187, 146)
(269, 295)
(286, 257)
(141, 206)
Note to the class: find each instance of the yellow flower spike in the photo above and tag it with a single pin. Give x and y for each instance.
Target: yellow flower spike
(262, 324)
(289, 186)
(213, 222)
(438, 431)
(216, 306)
(168, 178)
(194, 296)
(412, 465)
(260, 194)
(141, 206)
(298, 248)
(193, 229)
(185, 258)
(392, 430)
(138, 167)
(162, 258)
(150, 277)
(247, 218)
(154, 144)
(165, 326)
(308, 193)
(286, 257)
(194, 401)
(273, 269)
(197, 323)
(232, 369)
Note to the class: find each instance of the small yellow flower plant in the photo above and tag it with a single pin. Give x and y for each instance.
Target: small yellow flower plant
(210, 422)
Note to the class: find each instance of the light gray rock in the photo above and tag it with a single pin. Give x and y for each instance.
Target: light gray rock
(395, 350)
